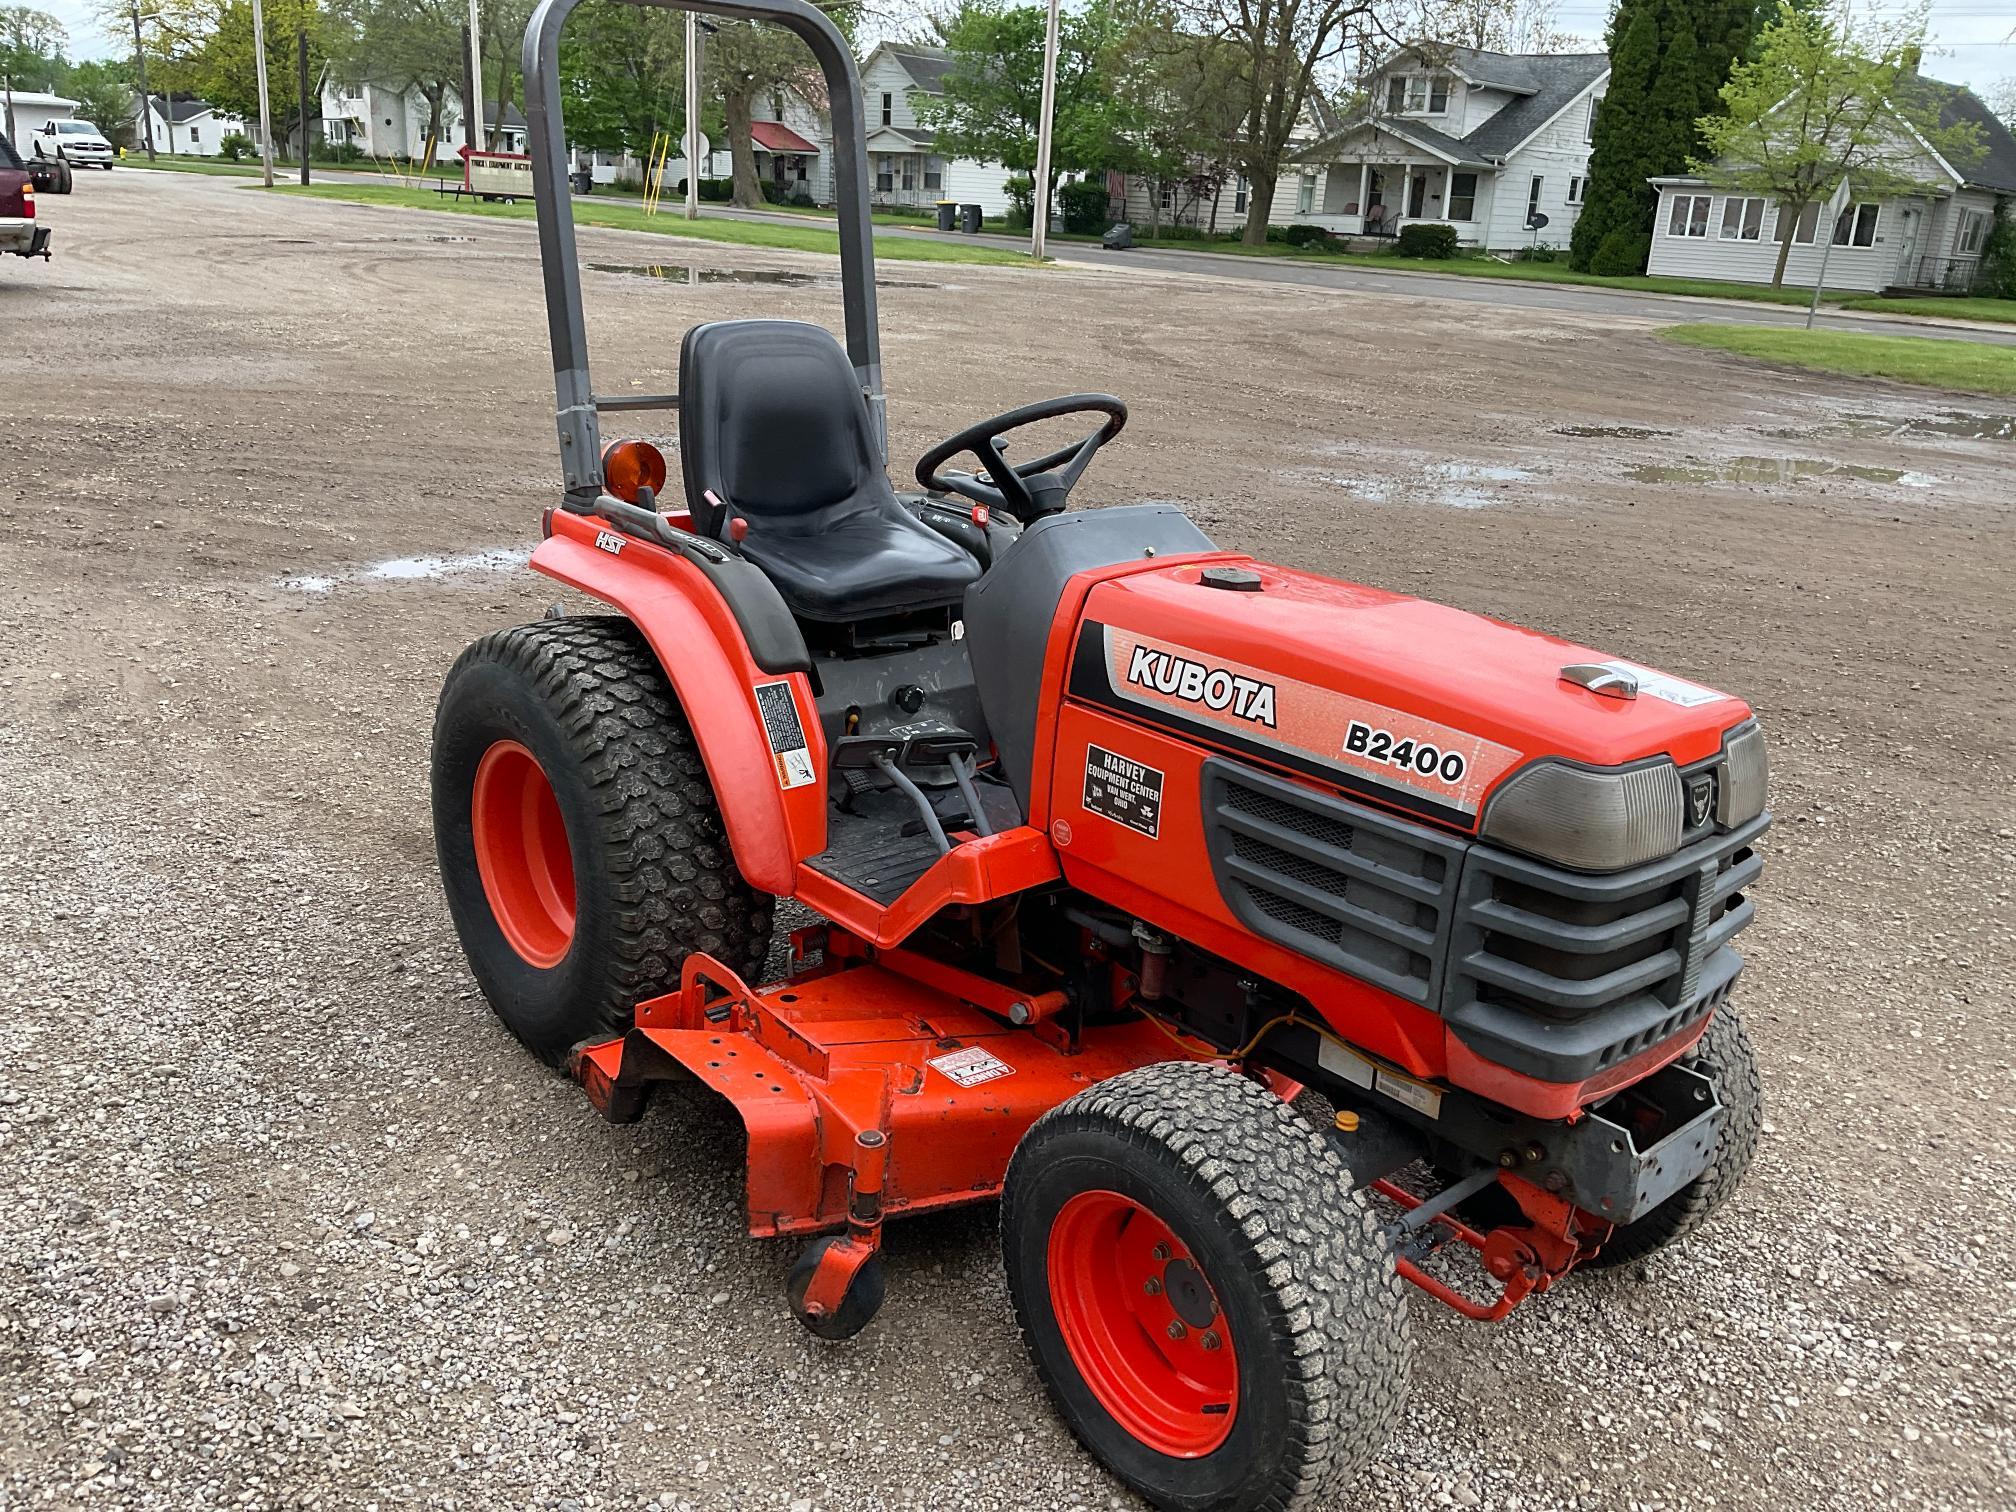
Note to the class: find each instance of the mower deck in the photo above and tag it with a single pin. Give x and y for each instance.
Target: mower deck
(868, 1084)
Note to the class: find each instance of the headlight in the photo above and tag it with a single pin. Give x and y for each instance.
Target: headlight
(1746, 774)
(1590, 820)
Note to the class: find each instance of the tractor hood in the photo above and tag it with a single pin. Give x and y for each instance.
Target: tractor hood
(1422, 705)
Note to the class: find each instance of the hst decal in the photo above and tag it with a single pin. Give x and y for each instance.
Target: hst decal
(1420, 764)
(1216, 688)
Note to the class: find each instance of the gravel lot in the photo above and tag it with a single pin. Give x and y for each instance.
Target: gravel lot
(288, 1221)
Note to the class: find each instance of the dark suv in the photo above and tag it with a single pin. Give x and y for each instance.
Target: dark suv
(18, 232)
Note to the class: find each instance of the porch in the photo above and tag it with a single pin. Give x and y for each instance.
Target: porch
(904, 172)
(1366, 198)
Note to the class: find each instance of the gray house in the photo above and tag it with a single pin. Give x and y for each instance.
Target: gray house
(1479, 140)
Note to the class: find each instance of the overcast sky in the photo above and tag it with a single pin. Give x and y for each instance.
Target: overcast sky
(1971, 40)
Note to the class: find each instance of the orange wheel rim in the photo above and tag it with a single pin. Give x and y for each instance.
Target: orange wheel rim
(1143, 1324)
(522, 854)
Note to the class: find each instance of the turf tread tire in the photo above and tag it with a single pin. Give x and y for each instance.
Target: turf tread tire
(1724, 1056)
(655, 878)
(1281, 1198)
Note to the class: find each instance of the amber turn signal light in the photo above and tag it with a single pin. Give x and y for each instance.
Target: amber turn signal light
(629, 467)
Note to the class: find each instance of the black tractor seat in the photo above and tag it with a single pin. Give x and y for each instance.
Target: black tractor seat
(773, 422)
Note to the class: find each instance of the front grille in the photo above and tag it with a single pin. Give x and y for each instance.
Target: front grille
(1556, 974)
(1563, 975)
(1352, 888)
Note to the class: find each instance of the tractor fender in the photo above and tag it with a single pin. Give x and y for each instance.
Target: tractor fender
(707, 660)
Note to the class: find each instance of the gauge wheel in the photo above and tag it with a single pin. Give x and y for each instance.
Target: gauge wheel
(1212, 1308)
(581, 848)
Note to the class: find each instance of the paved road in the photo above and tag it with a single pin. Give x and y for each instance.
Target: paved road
(1494, 291)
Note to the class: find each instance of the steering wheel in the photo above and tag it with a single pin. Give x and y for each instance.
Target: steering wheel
(1027, 490)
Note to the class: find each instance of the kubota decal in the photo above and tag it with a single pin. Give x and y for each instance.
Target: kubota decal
(1438, 766)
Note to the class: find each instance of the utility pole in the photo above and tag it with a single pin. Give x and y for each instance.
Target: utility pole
(475, 101)
(468, 90)
(301, 81)
(265, 104)
(168, 116)
(1040, 223)
(692, 116)
(146, 100)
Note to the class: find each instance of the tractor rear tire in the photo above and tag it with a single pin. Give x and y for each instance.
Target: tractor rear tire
(581, 848)
(1214, 1311)
(1723, 1055)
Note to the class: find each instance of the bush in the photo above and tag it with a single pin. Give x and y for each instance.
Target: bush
(1621, 254)
(1538, 252)
(1997, 276)
(1021, 192)
(235, 146)
(1085, 204)
(1426, 239)
(1300, 235)
(336, 152)
(773, 193)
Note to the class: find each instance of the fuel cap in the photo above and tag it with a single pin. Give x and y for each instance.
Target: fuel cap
(1231, 579)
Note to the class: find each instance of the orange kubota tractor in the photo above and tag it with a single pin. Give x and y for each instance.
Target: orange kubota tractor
(1252, 936)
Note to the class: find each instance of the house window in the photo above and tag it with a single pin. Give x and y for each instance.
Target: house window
(1589, 121)
(1973, 231)
(1690, 215)
(1396, 94)
(885, 180)
(909, 174)
(1809, 224)
(1533, 197)
(776, 106)
(934, 174)
(1742, 219)
(195, 135)
(1438, 96)
(1575, 190)
(1462, 196)
(1856, 227)
(1168, 198)
(1417, 94)
(1239, 192)
(1305, 195)
(888, 107)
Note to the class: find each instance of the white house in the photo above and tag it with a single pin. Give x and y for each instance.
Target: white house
(29, 113)
(903, 169)
(194, 127)
(386, 121)
(1479, 140)
(1928, 239)
(1203, 200)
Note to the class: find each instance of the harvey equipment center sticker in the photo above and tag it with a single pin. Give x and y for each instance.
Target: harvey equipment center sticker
(1125, 791)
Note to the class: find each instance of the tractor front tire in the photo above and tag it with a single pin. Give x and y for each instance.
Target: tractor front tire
(1724, 1056)
(1212, 1308)
(581, 848)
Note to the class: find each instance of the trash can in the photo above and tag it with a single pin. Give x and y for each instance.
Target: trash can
(969, 219)
(1118, 238)
(584, 181)
(948, 214)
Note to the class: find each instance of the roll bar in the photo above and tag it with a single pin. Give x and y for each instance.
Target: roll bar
(546, 139)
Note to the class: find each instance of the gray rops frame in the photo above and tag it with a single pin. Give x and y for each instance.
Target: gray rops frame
(575, 399)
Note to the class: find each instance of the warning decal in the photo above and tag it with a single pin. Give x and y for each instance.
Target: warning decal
(1125, 791)
(786, 731)
(970, 1067)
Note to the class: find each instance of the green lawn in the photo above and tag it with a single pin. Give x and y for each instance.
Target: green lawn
(1936, 362)
(165, 164)
(2001, 310)
(669, 222)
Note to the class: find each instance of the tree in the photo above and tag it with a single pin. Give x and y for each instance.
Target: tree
(746, 60)
(1282, 45)
(2002, 100)
(401, 44)
(1830, 98)
(622, 77)
(104, 94)
(31, 52)
(1514, 26)
(501, 44)
(225, 69)
(992, 95)
(1181, 104)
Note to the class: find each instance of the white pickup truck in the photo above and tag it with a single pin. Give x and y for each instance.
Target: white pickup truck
(76, 142)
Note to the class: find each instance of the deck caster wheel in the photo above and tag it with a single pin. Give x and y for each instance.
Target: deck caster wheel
(860, 1291)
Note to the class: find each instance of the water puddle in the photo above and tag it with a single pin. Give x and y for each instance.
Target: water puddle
(415, 569)
(1771, 470)
(1613, 432)
(1954, 423)
(1453, 485)
(681, 273)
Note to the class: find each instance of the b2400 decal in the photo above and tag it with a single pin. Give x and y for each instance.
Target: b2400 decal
(1419, 763)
